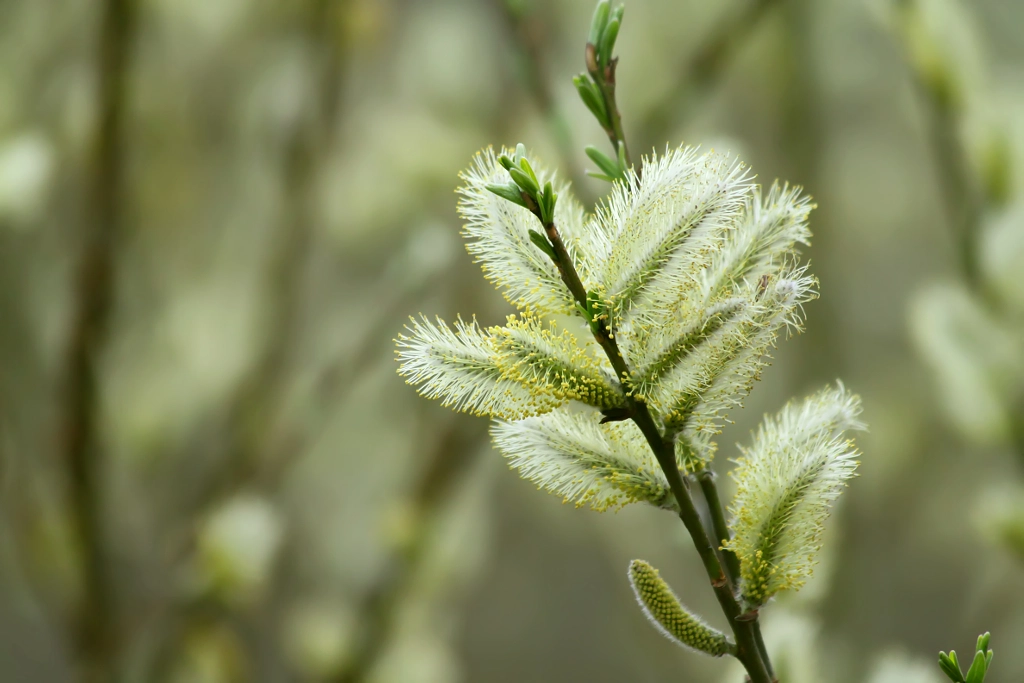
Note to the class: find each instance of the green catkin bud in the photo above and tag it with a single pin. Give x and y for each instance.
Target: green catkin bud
(663, 608)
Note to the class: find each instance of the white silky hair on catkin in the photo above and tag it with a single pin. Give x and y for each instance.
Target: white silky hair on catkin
(571, 454)
(460, 367)
(787, 481)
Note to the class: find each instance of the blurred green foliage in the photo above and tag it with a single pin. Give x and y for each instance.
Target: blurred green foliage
(276, 505)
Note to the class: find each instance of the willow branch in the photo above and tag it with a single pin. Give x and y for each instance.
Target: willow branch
(255, 428)
(379, 610)
(716, 512)
(742, 624)
(527, 39)
(964, 199)
(961, 195)
(605, 79)
(254, 422)
(705, 66)
(95, 622)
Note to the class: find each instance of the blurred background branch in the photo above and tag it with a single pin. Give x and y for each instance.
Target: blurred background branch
(443, 471)
(705, 66)
(528, 33)
(94, 623)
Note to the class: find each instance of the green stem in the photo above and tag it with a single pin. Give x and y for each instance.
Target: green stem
(762, 648)
(605, 80)
(716, 510)
(705, 66)
(744, 625)
(965, 202)
(718, 524)
(960, 193)
(447, 465)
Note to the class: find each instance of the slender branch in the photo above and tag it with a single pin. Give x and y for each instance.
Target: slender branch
(762, 648)
(960, 192)
(709, 487)
(716, 510)
(95, 622)
(254, 421)
(743, 624)
(526, 37)
(378, 613)
(605, 79)
(964, 197)
(707, 63)
(259, 447)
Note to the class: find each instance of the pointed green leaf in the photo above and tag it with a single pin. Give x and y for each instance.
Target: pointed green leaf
(976, 674)
(616, 14)
(595, 103)
(524, 181)
(542, 243)
(548, 204)
(950, 668)
(610, 168)
(604, 52)
(524, 164)
(598, 23)
(510, 192)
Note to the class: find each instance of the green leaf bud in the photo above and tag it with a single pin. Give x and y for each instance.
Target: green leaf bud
(598, 23)
(542, 243)
(976, 674)
(950, 666)
(595, 103)
(520, 152)
(525, 182)
(524, 164)
(547, 204)
(605, 163)
(663, 608)
(604, 51)
(616, 14)
(510, 192)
